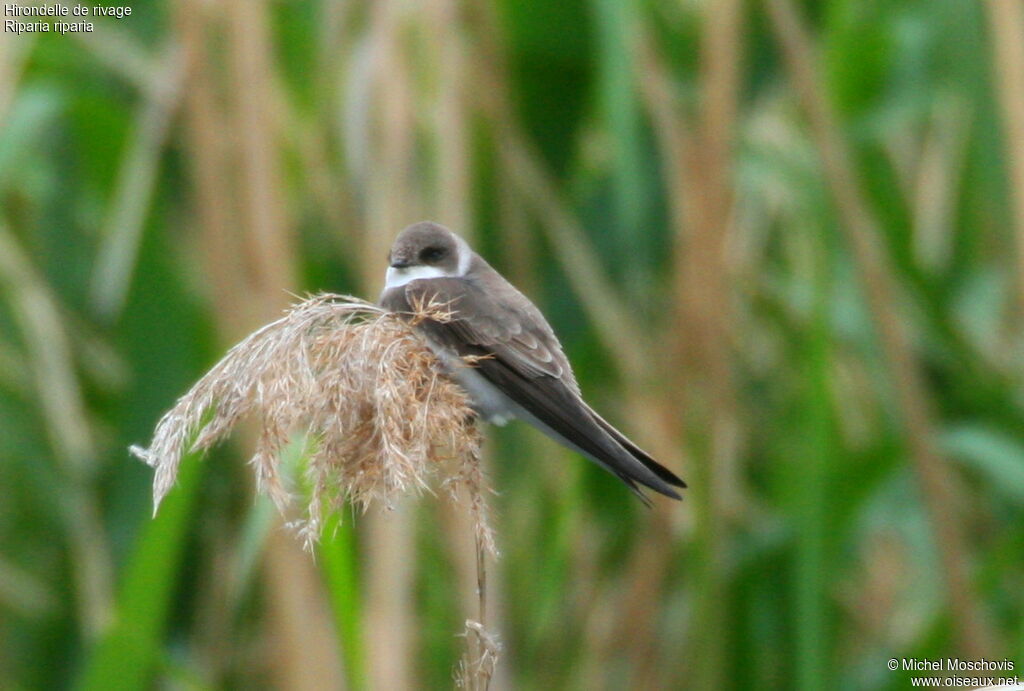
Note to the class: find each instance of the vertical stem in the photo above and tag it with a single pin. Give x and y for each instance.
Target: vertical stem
(481, 589)
(245, 235)
(453, 162)
(392, 203)
(700, 179)
(1006, 22)
(809, 478)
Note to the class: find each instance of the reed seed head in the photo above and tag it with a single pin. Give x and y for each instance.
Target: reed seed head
(380, 416)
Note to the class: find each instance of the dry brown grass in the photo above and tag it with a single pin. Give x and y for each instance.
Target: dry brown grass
(379, 416)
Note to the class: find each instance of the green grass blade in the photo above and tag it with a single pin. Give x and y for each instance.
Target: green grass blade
(127, 654)
(810, 495)
(615, 22)
(337, 550)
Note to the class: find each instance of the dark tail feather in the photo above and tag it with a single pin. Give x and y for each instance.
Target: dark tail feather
(562, 414)
(663, 473)
(633, 471)
(631, 484)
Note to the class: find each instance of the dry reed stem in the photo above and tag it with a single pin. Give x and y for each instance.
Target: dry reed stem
(362, 386)
(576, 255)
(243, 293)
(862, 235)
(479, 661)
(382, 122)
(476, 669)
(937, 178)
(699, 187)
(705, 276)
(121, 53)
(1006, 22)
(259, 239)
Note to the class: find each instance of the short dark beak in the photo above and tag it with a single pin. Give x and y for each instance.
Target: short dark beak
(399, 264)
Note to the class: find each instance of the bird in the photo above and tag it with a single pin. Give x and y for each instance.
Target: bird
(497, 345)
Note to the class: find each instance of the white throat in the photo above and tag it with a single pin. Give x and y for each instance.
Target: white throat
(398, 277)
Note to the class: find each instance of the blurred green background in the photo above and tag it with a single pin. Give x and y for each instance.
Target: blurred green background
(781, 241)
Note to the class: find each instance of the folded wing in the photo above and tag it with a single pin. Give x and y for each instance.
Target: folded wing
(517, 351)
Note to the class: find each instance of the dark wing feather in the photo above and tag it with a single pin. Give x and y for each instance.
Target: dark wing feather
(528, 345)
(521, 356)
(638, 453)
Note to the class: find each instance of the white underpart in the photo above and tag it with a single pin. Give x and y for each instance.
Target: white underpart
(494, 406)
(398, 277)
(488, 400)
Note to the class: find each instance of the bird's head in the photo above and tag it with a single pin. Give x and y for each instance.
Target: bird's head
(427, 250)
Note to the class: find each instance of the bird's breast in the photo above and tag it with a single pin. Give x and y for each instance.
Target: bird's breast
(487, 400)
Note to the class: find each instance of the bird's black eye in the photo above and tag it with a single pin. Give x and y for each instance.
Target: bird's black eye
(431, 254)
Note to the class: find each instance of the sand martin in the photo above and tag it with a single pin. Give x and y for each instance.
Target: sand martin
(517, 368)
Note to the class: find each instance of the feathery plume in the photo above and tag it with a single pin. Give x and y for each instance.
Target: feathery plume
(379, 414)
